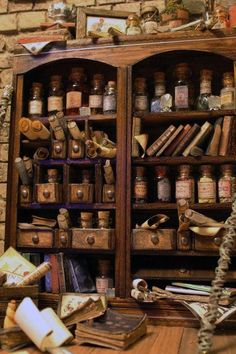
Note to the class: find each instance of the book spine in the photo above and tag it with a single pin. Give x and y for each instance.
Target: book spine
(225, 134)
(169, 151)
(136, 129)
(61, 272)
(203, 133)
(54, 272)
(186, 139)
(213, 147)
(160, 141)
(169, 141)
(48, 276)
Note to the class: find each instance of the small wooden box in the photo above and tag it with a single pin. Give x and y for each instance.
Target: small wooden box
(35, 238)
(81, 193)
(58, 150)
(76, 149)
(162, 239)
(48, 193)
(109, 193)
(62, 238)
(25, 195)
(209, 243)
(103, 239)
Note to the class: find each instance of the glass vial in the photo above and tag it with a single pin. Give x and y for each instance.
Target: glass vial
(109, 98)
(160, 89)
(104, 280)
(206, 185)
(96, 94)
(140, 185)
(183, 87)
(74, 91)
(184, 185)
(227, 93)
(35, 104)
(140, 95)
(202, 103)
(226, 184)
(163, 185)
(55, 95)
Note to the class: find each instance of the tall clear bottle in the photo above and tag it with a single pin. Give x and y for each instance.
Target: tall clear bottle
(74, 91)
(140, 95)
(227, 93)
(202, 103)
(206, 185)
(96, 94)
(110, 98)
(160, 89)
(184, 184)
(163, 185)
(183, 90)
(35, 103)
(55, 95)
(226, 184)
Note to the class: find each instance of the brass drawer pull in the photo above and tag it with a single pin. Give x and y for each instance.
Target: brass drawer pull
(63, 239)
(217, 241)
(35, 239)
(184, 241)
(46, 193)
(155, 239)
(90, 240)
(110, 194)
(57, 149)
(75, 148)
(24, 193)
(79, 194)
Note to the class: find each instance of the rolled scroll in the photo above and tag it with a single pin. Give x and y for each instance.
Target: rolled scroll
(28, 166)
(62, 222)
(37, 274)
(22, 171)
(65, 213)
(108, 173)
(75, 131)
(25, 127)
(40, 129)
(41, 153)
(94, 150)
(59, 134)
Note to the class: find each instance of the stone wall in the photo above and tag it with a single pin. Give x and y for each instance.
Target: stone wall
(22, 16)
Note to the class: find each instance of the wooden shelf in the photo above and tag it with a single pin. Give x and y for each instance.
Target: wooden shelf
(173, 206)
(94, 206)
(93, 117)
(177, 160)
(174, 253)
(82, 161)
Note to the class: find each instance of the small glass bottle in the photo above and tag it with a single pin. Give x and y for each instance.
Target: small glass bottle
(149, 16)
(160, 89)
(206, 185)
(35, 104)
(109, 98)
(55, 95)
(74, 94)
(140, 185)
(184, 185)
(163, 185)
(227, 93)
(140, 95)
(202, 103)
(226, 184)
(104, 280)
(133, 25)
(96, 94)
(183, 87)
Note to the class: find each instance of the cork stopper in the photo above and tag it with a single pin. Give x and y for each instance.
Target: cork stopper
(111, 84)
(161, 171)
(226, 168)
(182, 69)
(206, 74)
(206, 169)
(185, 169)
(140, 171)
(159, 76)
(140, 83)
(76, 72)
(55, 78)
(228, 79)
(104, 266)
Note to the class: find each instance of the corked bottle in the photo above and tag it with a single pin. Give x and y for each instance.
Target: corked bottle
(183, 87)
(226, 184)
(184, 185)
(35, 104)
(96, 94)
(109, 98)
(140, 185)
(104, 280)
(206, 185)
(75, 91)
(227, 93)
(140, 95)
(160, 89)
(55, 95)
(163, 185)
(202, 103)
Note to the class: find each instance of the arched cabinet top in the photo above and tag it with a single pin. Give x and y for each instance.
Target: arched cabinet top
(129, 50)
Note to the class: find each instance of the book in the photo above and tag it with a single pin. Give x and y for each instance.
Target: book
(171, 148)
(54, 274)
(160, 141)
(231, 292)
(199, 138)
(225, 135)
(136, 129)
(80, 275)
(112, 330)
(61, 272)
(179, 290)
(213, 147)
(48, 276)
(186, 139)
(169, 141)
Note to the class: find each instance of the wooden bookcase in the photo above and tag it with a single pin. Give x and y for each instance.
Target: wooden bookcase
(123, 60)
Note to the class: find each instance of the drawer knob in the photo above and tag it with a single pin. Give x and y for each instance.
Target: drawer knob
(90, 240)
(46, 193)
(24, 193)
(63, 239)
(110, 194)
(155, 239)
(79, 194)
(75, 148)
(184, 241)
(57, 149)
(35, 239)
(217, 241)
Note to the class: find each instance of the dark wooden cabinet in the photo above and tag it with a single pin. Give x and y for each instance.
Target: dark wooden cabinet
(157, 256)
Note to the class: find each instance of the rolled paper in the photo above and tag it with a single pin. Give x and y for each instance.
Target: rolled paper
(64, 211)
(40, 129)
(98, 150)
(137, 295)
(22, 171)
(91, 149)
(62, 222)
(182, 206)
(98, 136)
(41, 153)
(198, 219)
(108, 173)
(142, 139)
(62, 121)
(205, 231)
(53, 121)
(9, 321)
(75, 131)
(114, 32)
(59, 134)
(28, 166)
(25, 127)
(37, 274)
(139, 284)
(103, 219)
(153, 222)
(108, 143)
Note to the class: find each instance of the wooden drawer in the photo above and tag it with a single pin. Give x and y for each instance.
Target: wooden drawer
(35, 238)
(62, 238)
(48, 193)
(162, 239)
(81, 193)
(93, 238)
(209, 243)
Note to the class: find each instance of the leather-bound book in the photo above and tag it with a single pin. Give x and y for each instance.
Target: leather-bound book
(171, 148)
(54, 274)
(160, 141)
(170, 140)
(186, 139)
(225, 135)
(213, 147)
(202, 135)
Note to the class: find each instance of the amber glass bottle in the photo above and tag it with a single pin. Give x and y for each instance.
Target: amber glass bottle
(96, 94)
(226, 184)
(184, 185)
(74, 91)
(140, 95)
(109, 98)
(140, 185)
(55, 95)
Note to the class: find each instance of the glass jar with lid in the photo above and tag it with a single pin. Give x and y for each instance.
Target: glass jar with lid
(96, 94)
(149, 16)
(160, 90)
(109, 98)
(140, 185)
(184, 184)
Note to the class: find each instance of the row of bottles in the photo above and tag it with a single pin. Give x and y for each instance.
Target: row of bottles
(182, 95)
(98, 98)
(208, 188)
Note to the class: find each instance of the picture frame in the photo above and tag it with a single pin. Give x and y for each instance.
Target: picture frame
(99, 21)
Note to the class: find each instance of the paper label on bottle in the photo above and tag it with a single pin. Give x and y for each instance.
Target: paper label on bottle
(73, 99)
(227, 98)
(35, 107)
(205, 86)
(163, 190)
(181, 96)
(183, 189)
(206, 190)
(160, 90)
(140, 190)
(95, 101)
(109, 103)
(55, 103)
(224, 189)
(141, 103)
(133, 30)
(103, 283)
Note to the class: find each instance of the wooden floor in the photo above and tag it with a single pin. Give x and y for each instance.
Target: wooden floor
(159, 340)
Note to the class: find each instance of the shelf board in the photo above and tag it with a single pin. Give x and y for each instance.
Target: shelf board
(175, 253)
(92, 117)
(167, 117)
(83, 161)
(94, 206)
(173, 206)
(177, 160)
(65, 250)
